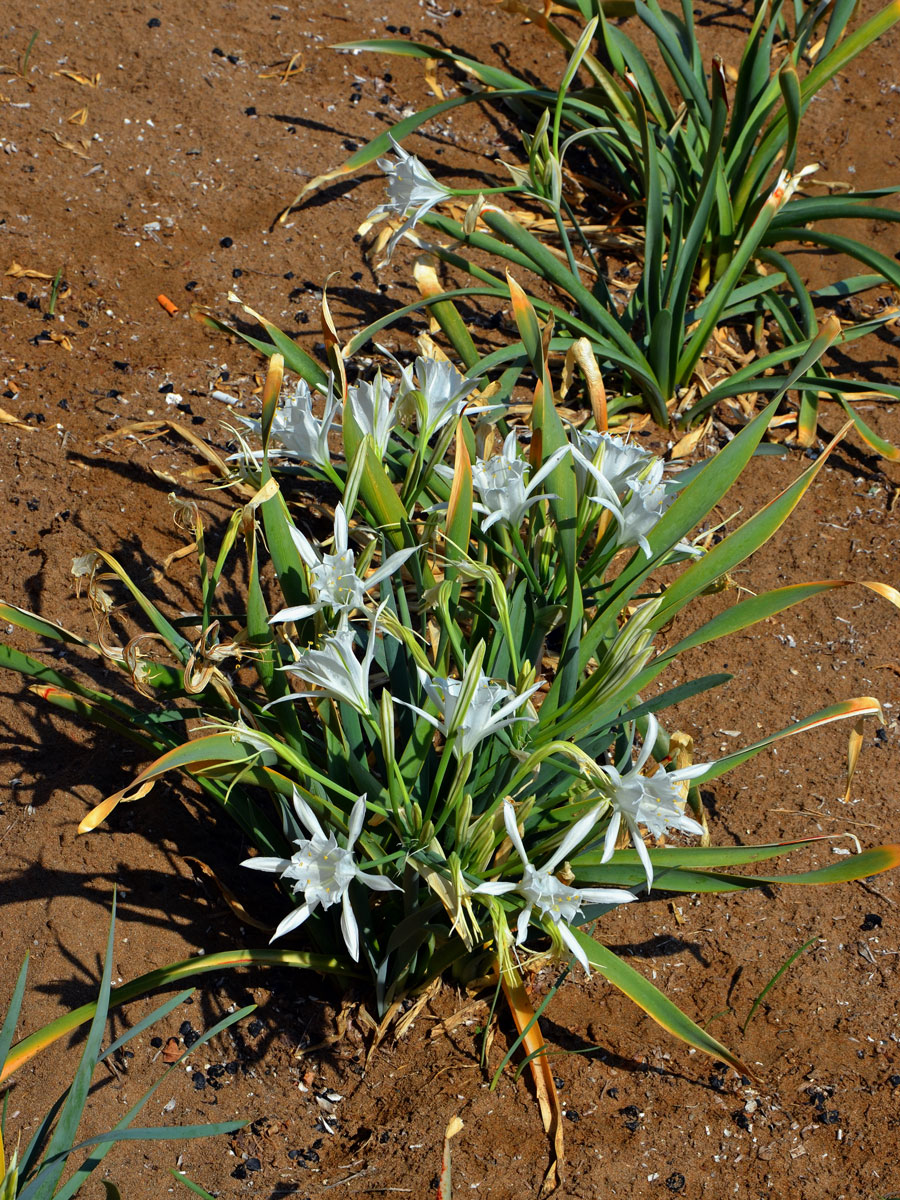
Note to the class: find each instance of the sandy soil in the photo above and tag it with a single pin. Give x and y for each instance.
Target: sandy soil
(191, 143)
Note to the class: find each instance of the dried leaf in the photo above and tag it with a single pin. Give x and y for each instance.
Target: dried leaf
(8, 419)
(78, 117)
(172, 1050)
(431, 78)
(688, 444)
(90, 81)
(66, 145)
(19, 272)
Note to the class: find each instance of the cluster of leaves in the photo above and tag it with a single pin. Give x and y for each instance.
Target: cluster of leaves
(712, 249)
(472, 656)
(446, 749)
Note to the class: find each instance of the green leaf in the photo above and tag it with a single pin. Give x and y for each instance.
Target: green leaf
(654, 1003)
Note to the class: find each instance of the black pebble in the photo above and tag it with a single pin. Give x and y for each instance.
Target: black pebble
(199, 1081)
(218, 53)
(255, 1028)
(253, 1164)
(559, 1082)
(120, 366)
(156, 1042)
(154, 23)
(186, 1027)
(675, 1182)
(33, 303)
(613, 1093)
(405, 30)
(164, 390)
(288, 275)
(233, 59)
(572, 1115)
(33, 504)
(63, 404)
(391, 28)
(226, 243)
(239, 1172)
(82, 324)
(189, 287)
(742, 1120)
(833, 1117)
(236, 273)
(233, 1067)
(113, 394)
(388, 77)
(356, 276)
(630, 1110)
(250, 112)
(216, 1070)
(22, 297)
(871, 921)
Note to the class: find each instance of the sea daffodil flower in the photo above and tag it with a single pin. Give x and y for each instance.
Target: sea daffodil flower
(302, 434)
(436, 392)
(369, 405)
(467, 706)
(650, 800)
(323, 870)
(501, 482)
(335, 582)
(335, 671)
(554, 900)
(412, 191)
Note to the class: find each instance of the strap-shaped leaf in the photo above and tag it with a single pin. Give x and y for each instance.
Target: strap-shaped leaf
(639, 989)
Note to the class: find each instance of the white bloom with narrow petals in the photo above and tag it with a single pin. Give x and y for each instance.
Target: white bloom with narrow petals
(435, 391)
(468, 708)
(335, 671)
(369, 404)
(554, 900)
(653, 801)
(323, 870)
(503, 491)
(412, 191)
(335, 583)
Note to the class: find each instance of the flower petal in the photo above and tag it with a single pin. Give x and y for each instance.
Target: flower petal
(349, 927)
(291, 921)
(307, 816)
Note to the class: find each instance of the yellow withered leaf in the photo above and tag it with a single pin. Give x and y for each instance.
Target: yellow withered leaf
(17, 271)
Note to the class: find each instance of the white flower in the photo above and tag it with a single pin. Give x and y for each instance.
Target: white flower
(302, 434)
(467, 706)
(369, 404)
(335, 582)
(617, 460)
(501, 485)
(630, 485)
(650, 800)
(541, 889)
(323, 870)
(334, 671)
(436, 391)
(412, 191)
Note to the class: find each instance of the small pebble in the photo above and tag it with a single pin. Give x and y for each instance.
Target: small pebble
(226, 243)
(675, 1182)
(154, 23)
(871, 921)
